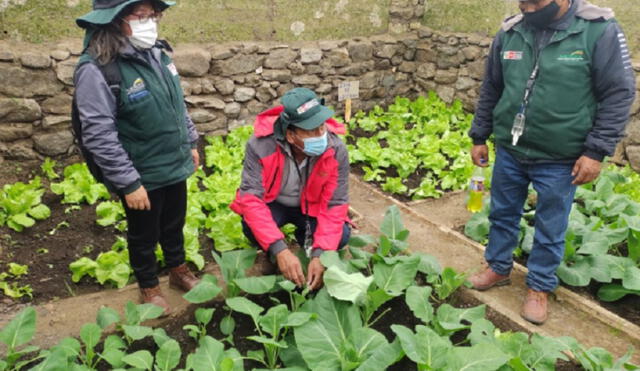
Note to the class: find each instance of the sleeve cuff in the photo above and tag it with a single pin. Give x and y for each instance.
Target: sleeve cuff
(277, 247)
(477, 142)
(132, 187)
(194, 144)
(594, 155)
(316, 252)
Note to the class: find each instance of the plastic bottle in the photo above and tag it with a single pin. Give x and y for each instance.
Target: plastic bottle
(476, 190)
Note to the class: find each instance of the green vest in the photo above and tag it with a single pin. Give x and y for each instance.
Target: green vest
(562, 106)
(151, 122)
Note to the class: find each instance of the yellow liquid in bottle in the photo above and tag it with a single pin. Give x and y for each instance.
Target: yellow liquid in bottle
(475, 201)
(476, 189)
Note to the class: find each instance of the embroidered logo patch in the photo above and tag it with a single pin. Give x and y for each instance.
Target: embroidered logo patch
(576, 56)
(137, 91)
(138, 85)
(513, 55)
(307, 106)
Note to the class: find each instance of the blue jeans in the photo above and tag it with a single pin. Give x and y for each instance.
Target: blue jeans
(509, 188)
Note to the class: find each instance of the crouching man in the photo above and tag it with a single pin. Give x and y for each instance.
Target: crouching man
(296, 171)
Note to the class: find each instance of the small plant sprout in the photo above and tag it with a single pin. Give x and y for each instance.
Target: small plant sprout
(48, 168)
(62, 224)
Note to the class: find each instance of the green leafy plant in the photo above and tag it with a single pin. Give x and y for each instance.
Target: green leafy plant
(21, 204)
(62, 224)
(111, 213)
(48, 168)
(338, 340)
(203, 317)
(112, 266)
(8, 284)
(233, 265)
(15, 335)
(422, 140)
(79, 186)
(271, 327)
(223, 156)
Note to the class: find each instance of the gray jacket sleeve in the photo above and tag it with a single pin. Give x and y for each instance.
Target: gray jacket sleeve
(614, 86)
(191, 128)
(341, 194)
(490, 93)
(97, 109)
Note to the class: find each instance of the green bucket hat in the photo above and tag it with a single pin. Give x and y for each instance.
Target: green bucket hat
(302, 109)
(104, 11)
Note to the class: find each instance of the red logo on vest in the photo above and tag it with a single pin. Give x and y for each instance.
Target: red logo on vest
(513, 55)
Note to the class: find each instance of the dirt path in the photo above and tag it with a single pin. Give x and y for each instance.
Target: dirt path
(570, 314)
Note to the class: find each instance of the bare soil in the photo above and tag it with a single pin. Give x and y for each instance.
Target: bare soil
(50, 245)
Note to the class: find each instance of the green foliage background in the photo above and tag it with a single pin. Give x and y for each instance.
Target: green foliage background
(485, 16)
(208, 20)
(228, 20)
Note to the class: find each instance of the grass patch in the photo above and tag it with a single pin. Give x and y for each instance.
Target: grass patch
(199, 21)
(485, 16)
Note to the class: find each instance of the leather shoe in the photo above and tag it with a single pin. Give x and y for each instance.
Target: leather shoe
(487, 279)
(534, 309)
(153, 295)
(182, 278)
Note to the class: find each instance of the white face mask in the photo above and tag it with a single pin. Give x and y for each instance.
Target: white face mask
(143, 35)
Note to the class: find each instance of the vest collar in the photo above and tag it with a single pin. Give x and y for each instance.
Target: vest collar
(579, 8)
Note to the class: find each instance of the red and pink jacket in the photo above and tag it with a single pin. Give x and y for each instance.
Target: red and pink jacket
(326, 192)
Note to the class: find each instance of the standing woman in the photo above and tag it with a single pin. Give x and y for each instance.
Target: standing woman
(139, 133)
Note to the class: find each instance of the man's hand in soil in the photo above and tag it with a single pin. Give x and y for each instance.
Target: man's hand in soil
(315, 271)
(138, 199)
(290, 267)
(585, 170)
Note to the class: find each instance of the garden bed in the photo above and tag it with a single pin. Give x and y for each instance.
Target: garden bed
(210, 220)
(418, 149)
(47, 248)
(398, 314)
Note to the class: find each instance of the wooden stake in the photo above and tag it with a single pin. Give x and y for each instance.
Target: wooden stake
(347, 110)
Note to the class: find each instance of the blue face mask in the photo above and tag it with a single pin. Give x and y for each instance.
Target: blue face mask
(315, 146)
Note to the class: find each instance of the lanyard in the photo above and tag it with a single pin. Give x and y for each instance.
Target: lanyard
(519, 121)
(308, 240)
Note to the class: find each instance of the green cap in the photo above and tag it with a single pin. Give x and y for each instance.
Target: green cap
(104, 11)
(302, 109)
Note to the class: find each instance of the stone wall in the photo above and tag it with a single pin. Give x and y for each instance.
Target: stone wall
(227, 85)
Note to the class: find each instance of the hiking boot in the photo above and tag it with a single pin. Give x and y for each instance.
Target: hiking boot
(487, 279)
(534, 309)
(182, 278)
(153, 295)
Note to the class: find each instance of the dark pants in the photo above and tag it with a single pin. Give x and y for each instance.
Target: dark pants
(163, 223)
(284, 214)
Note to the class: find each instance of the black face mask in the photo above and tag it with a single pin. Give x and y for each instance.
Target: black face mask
(543, 17)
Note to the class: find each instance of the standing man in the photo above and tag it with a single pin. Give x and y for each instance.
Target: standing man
(296, 170)
(139, 133)
(556, 95)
